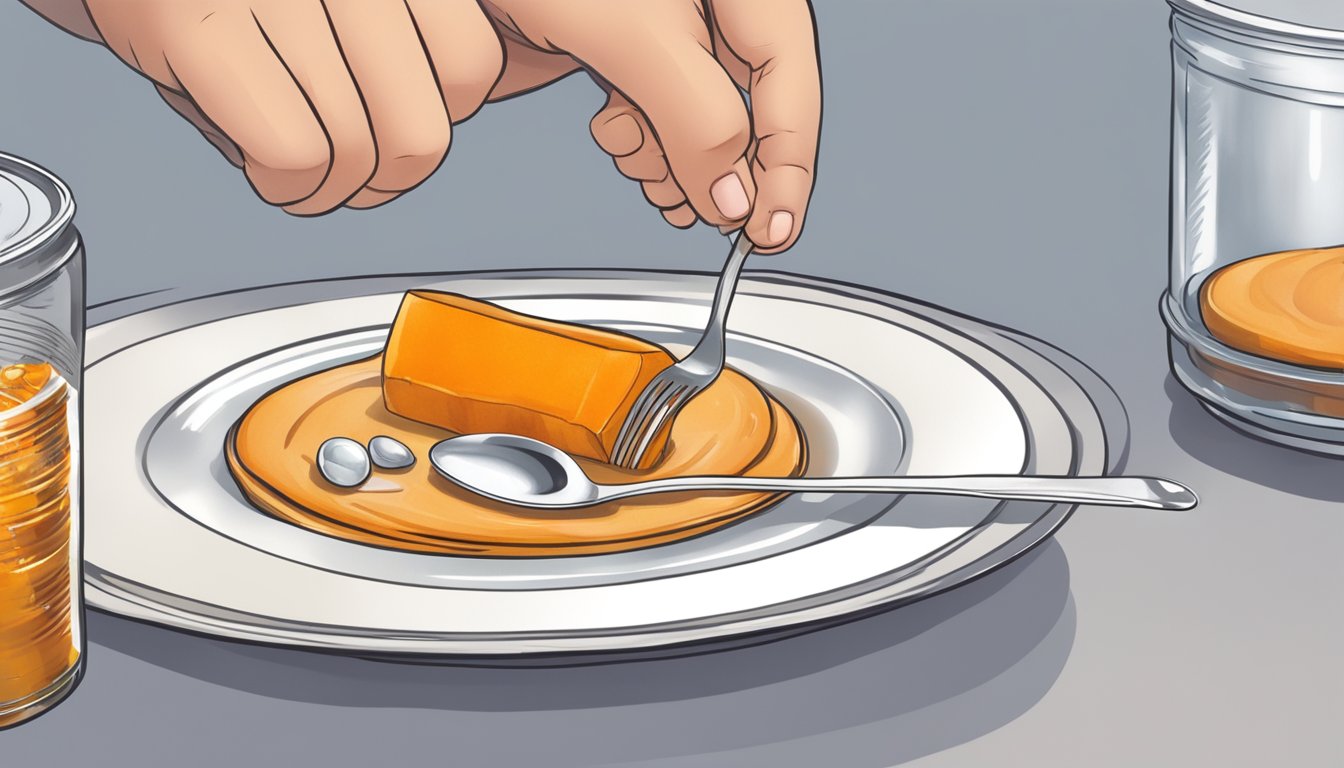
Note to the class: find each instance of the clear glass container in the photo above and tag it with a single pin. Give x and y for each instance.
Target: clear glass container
(41, 360)
(1257, 168)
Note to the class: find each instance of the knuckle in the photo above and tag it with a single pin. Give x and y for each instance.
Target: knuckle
(470, 83)
(681, 218)
(728, 133)
(355, 156)
(785, 150)
(299, 158)
(618, 134)
(476, 65)
(285, 174)
(665, 194)
(643, 166)
(371, 198)
(409, 159)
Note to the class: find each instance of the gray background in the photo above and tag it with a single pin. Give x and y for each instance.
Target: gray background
(1008, 160)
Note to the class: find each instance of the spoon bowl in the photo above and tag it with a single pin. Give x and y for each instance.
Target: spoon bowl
(515, 470)
(529, 473)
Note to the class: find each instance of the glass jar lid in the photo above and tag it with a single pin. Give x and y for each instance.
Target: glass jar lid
(23, 210)
(1320, 19)
(35, 214)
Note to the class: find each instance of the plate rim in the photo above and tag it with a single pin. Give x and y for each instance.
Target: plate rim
(1026, 540)
(170, 492)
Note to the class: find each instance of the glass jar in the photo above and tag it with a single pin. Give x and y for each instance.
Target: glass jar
(41, 360)
(1257, 169)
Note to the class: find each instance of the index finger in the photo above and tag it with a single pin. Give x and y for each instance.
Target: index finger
(777, 40)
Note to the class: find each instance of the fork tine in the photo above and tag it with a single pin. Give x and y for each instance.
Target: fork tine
(638, 435)
(640, 404)
(639, 427)
(669, 408)
(657, 420)
(636, 415)
(663, 397)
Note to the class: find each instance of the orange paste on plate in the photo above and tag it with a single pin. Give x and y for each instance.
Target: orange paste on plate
(732, 428)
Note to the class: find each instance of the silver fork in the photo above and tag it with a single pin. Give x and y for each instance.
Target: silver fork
(674, 387)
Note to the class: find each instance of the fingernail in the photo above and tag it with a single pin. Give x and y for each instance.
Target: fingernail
(730, 197)
(781, 226)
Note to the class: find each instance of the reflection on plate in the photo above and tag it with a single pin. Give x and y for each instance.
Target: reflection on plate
(880, 385)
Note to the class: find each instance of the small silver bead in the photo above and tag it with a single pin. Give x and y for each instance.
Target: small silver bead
(388, 453)
(343, 462)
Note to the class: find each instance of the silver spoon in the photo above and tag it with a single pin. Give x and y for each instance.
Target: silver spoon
(530, 473)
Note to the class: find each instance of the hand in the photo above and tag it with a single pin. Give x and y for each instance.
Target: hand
(323, 103)
(675, 120)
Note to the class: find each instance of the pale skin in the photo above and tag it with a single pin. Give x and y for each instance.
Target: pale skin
(331, 103)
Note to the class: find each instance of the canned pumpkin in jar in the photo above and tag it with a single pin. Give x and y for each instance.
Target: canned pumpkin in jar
(41, 338)
(1255, 304)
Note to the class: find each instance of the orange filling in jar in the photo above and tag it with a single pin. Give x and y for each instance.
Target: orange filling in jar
(37, 641)
(1285, 306)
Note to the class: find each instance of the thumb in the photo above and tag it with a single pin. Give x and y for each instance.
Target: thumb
(777, 40)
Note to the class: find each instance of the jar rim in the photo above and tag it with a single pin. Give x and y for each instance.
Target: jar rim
(59, 198)
(1241, 20)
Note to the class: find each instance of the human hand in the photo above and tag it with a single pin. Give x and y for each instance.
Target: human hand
(322, 103)
(675, 120)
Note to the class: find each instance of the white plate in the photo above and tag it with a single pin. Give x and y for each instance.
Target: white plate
(881, 384)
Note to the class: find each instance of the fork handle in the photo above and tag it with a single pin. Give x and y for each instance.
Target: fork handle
(711, 344)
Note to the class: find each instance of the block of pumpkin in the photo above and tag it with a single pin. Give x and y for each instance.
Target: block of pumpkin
(458, 365)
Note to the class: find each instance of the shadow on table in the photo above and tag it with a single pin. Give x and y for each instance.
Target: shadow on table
(885, 689)
(1213, 442)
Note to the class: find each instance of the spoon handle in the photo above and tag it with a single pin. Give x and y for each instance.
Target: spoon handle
(1145, 492)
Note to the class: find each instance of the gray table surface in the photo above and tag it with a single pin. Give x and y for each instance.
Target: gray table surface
(1008, 160)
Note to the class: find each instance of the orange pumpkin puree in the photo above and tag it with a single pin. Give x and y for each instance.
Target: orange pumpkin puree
(732, 428)
(470, 367)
